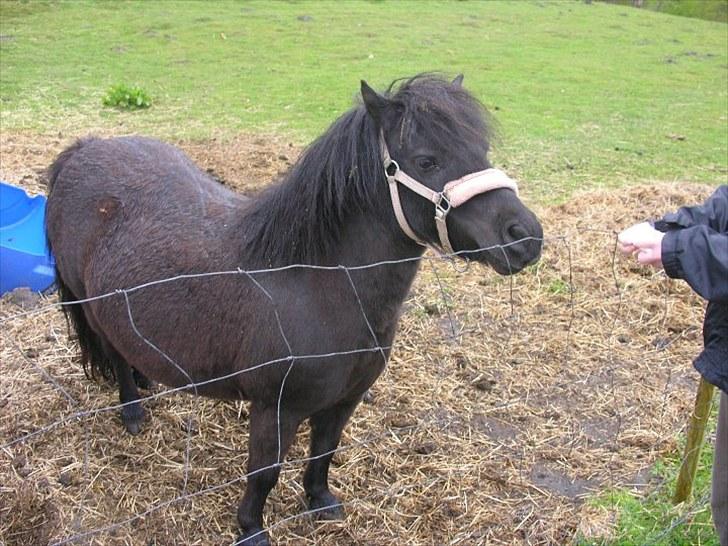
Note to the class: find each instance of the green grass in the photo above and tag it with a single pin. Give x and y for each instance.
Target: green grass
(558, 286)
(654, 520)
(586, 94)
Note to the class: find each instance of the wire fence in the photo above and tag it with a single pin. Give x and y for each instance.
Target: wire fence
(564, 295)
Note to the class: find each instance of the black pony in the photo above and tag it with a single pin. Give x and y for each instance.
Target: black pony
(128, 211)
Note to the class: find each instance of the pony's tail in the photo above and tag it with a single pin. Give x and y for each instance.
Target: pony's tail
(93, 356)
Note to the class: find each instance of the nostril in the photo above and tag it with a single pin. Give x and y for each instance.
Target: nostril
(516, 232)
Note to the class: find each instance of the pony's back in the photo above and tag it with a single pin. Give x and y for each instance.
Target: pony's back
(135, 164)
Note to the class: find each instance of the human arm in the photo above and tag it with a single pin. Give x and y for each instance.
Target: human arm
(693, 247)
(699, 255)
(713, 214)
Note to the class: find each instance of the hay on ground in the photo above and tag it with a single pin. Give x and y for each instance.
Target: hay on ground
(503, 406)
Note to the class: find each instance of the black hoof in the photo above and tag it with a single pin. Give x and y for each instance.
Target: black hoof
(327, 508)
(132, 416)
(257, 537)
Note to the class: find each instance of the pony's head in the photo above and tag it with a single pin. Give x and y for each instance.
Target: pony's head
(434, 140)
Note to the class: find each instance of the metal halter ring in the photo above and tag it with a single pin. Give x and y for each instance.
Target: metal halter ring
(388, 165)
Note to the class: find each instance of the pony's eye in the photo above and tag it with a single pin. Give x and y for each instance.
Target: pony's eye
(426, 163)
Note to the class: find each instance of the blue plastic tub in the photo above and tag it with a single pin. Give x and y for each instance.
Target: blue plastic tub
(24, 257)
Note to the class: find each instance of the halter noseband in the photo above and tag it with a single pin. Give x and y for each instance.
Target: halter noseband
(455, 193)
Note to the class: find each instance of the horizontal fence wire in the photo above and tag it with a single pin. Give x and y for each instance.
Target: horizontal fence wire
(289, 361)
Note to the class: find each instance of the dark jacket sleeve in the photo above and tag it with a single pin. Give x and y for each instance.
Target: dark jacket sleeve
(695, 246)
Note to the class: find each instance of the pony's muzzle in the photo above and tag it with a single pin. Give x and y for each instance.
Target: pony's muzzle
(523, 241)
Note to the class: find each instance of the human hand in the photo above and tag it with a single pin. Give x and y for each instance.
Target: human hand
(644, 241)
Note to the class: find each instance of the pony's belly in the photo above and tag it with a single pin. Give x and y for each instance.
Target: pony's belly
(312, 385)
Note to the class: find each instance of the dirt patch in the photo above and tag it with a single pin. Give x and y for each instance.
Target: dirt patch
(556, 481)
(496, 429)
(554, 387)
(22, 297)
(246, 163)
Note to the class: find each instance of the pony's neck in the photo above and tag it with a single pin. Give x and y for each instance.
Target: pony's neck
(391, 261)
(369, 238)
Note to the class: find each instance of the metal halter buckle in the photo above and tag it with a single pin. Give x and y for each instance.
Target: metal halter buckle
(440, 210)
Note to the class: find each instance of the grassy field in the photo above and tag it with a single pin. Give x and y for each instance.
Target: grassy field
(585, 94)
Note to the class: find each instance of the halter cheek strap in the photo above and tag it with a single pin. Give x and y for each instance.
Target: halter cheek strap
(454, 194)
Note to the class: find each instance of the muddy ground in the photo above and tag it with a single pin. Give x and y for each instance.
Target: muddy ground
(570, 380)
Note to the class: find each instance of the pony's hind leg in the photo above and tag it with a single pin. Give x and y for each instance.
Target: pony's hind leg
(132, 413)
(326, 429)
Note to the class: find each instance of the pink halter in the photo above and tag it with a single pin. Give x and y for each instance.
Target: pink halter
(454, 194)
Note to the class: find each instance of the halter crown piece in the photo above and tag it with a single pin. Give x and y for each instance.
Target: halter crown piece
(455, 193)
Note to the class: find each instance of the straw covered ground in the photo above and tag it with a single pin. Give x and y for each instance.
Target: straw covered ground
(506, 401)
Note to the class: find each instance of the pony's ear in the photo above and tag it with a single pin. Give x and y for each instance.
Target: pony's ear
(374, 102)
(458, 81)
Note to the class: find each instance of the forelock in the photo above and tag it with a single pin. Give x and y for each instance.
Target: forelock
(449, 115)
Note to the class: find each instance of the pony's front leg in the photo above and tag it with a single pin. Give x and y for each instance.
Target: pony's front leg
(268, 444)
(326, 429)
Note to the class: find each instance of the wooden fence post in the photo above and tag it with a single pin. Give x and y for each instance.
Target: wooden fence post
(696, 432)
